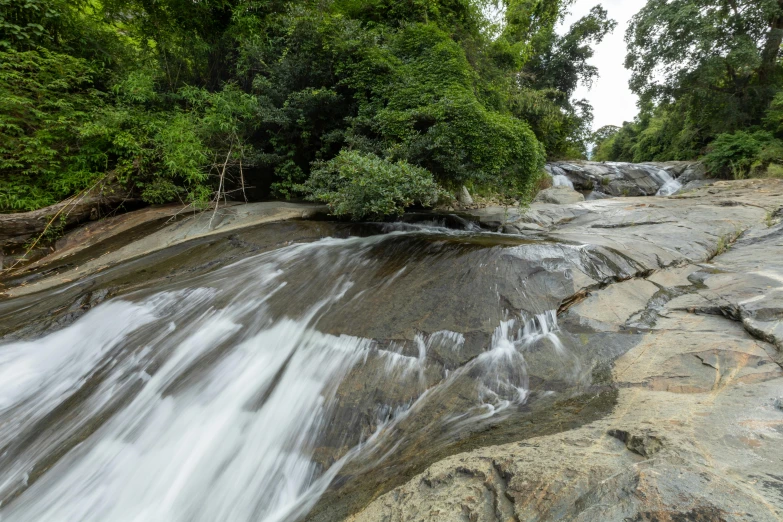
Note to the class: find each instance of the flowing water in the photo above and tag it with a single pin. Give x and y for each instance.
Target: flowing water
(559, 177)
(669, 185)
(250, 391)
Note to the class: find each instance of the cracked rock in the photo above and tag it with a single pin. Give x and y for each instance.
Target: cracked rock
(644, 444)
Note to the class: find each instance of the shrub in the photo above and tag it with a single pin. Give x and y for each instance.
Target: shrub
(363, 185)
(737, 155)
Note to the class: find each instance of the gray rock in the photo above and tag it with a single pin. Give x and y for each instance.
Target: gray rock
(594, 195)
(746, 283)
(663, 417)
(612, 307)
(675, 168)
(464, 197)
(623, 179)
(163, 230)
(560, 195)
(694, 172)
(695, 433)
(697, 184)
(644, 443)
(696, 436)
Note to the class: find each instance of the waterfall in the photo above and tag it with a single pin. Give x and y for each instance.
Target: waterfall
(559, 177)
(560, 180)
(669, 185)
(615, 178)
(207, 401)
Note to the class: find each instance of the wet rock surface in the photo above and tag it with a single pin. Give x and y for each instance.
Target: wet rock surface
(645, 382)
(697, 431)
(110, 242)
(627, 179)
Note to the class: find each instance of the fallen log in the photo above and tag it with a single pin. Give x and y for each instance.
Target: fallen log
(105, 197)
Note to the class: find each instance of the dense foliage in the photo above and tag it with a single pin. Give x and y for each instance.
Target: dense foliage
(707, 73)
(185, 100)
(363, 185)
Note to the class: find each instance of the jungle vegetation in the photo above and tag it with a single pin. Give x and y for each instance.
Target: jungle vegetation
(368, 105)
(710, 82)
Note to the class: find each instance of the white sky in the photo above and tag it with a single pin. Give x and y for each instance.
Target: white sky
(612, 101)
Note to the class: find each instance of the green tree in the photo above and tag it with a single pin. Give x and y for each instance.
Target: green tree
(558, 66)
(702, 69)
(603, 140)
(725, 53)
(185, 101)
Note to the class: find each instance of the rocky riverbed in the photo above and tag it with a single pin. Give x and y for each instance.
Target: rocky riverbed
(697, 430)
(610, 179)
(613, 359)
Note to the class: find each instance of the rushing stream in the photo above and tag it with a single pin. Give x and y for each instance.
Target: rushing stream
(248, 392)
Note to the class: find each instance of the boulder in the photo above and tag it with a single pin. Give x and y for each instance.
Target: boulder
(694, 172)
(560, 195)
(464, 197)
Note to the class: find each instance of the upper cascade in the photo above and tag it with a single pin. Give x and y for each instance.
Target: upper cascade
(626, 179)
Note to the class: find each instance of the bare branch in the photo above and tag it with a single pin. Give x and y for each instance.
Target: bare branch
(220, 185)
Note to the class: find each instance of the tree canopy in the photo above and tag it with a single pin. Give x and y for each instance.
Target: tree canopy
(181, 99)
(702, 69)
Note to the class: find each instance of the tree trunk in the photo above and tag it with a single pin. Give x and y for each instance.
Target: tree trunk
(17, 229)
(771, 52)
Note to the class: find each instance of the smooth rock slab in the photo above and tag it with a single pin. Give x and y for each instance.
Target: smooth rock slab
(561, 195)
(711, 453)
(745, 283)
(609, 309)
(697, 432)
(189, 227)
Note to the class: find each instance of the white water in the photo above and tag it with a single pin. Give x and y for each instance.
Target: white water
(561, 181)
(669, 185)
(609, 170)
(559, 177)
(234, 443)
(230, 400)
(433, 226)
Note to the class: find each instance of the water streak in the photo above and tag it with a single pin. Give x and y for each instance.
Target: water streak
(201, 403)
(669, 185)
(559, 177)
